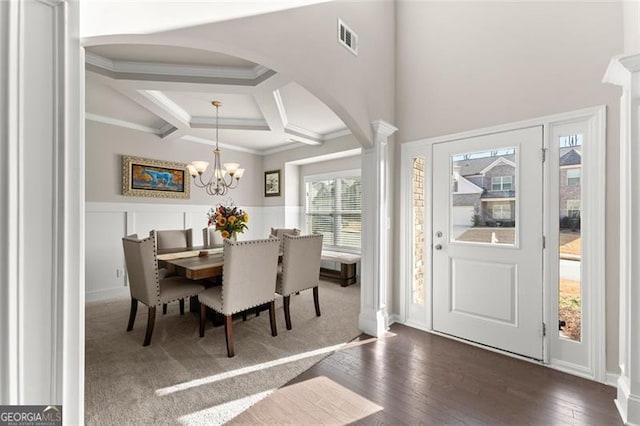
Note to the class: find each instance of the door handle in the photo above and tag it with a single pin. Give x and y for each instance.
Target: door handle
(438, 247)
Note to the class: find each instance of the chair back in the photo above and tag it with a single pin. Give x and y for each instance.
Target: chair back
(175, 238)
(142, 269)
(249, 274)
(300, 263)
(211, 237)
(279, 232)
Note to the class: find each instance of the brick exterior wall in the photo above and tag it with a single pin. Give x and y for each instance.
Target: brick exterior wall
(568, 192)
(418, 233)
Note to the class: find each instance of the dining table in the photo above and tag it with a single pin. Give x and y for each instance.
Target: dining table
(194, 263)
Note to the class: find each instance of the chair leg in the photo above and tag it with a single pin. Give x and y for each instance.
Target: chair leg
(132, 313)
(316, 301)
(287, 314)
(181, 306)
(228, 334)
(150, 323)
(272, 318)
(203, 318)
(164, 309)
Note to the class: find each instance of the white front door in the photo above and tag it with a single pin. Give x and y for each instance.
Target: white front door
(487, 271)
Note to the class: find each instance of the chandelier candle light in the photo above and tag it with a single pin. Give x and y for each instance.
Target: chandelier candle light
(222, 180)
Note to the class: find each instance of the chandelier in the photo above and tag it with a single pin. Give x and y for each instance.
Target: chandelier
(222, 179)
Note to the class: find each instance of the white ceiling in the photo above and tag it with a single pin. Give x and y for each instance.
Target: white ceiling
(168, 91)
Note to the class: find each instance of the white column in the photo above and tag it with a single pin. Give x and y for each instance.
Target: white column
(41, 208)
(625, 72)
(375, 231)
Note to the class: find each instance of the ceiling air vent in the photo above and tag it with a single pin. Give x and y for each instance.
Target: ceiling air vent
(347, 38)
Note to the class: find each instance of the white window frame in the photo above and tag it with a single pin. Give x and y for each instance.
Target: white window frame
(501, 181)
(578, 178)
(330, 176)
(574, 202)
(506, 207)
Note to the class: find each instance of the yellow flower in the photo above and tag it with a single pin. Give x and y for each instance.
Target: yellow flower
(225, 234)
(231, 219)
(221, 221)
(245, 218)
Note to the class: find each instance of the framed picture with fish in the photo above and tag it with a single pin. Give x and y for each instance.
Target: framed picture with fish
(142, 177)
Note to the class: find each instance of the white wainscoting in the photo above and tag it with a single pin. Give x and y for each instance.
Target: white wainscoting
(107, 223)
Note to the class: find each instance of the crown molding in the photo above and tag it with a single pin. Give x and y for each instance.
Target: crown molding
(280, 106)
(382, 128)
(116, 67)
(336, 134)
(228, 123)
(126, 124)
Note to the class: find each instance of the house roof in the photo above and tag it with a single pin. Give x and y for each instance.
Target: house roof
(475, 166)
(570, 156)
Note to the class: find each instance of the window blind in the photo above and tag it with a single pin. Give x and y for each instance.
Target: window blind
(333, 209)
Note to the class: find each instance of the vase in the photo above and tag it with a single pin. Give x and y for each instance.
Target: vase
(234, 237)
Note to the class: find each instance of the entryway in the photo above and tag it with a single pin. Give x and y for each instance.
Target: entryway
(490, 222)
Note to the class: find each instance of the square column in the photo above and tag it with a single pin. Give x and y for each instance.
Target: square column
(625, 72)
(376, 225)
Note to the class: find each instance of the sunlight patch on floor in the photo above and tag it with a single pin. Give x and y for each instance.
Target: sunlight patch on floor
(253, 368)
(315, 401)
(222, 413)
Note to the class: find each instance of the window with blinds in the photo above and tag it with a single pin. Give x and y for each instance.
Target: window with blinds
(333, 209)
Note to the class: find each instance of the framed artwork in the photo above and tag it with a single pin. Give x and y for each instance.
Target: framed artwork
(272, 183)
(142, 177)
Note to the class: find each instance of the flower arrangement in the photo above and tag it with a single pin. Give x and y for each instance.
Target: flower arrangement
(229, 220)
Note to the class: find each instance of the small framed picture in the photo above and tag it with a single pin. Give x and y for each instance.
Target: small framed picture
(272, 183)
(143, 177)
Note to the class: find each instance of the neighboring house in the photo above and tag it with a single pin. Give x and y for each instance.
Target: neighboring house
(486, 187)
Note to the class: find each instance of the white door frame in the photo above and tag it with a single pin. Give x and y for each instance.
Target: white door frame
(593, 258)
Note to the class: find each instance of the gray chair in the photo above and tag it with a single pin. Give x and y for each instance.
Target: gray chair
(145, 284)
(211, 237)
(279, 232)
(300, 269)
(174, 238)
(169, 240)
(249, 280)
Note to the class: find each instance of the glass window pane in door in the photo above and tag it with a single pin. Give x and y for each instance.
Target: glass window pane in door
(570, 250)
(483, 197)
(418, 205)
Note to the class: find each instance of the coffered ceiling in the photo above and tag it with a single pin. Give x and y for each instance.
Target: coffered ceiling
(168, 91)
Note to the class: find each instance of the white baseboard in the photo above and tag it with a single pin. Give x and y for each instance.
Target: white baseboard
(611, 379)
(393, 318)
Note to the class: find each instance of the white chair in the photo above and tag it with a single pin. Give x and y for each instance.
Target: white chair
(300, 269)
(145, 283)
(279, 232)
(211, 237)
(248, 281)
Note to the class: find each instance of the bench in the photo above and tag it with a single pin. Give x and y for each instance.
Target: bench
(347, 273)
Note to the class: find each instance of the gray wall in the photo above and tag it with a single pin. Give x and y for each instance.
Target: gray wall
(467, 65)
(105, 145)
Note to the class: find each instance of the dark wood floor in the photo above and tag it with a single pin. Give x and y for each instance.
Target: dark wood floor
(421, 378)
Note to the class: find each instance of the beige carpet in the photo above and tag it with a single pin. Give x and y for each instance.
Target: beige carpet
(182, 379)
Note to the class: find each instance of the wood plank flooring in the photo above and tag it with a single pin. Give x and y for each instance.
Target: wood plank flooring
(421, 378)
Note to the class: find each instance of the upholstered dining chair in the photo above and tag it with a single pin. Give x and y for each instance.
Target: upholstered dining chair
(172, 239)
(279, 232)
(145, 284)
(211, 237)
(249, 280)
(300, 269)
